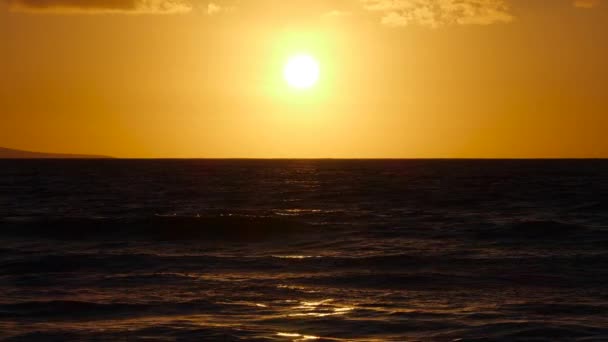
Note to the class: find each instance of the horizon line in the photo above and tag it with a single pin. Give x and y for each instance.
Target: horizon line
(308, 158)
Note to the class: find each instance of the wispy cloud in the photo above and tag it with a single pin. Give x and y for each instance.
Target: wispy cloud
(435, 13)
(586, 3)
(336, 14)
(215, 8)
(102, 6)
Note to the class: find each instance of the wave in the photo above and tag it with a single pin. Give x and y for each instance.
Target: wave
(530, 330)
(143, 267)
(61, 309)
(188, 333)
(348, 330)
(536, 230)
(556, 309)
(233, 227)
(76, 310)
(129, 263)
(458, 278)
(277, 227)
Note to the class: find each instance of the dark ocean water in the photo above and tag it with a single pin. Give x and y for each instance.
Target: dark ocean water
(304, 250)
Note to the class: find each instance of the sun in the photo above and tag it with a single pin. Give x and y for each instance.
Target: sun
(302, 71)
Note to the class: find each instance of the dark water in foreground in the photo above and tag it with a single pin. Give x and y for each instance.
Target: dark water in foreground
(304, 250)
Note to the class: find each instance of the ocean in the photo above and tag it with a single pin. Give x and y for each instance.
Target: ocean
(304, 250)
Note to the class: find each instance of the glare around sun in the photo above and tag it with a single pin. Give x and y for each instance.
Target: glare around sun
(301, 72)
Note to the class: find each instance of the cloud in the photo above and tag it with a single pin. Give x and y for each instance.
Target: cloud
(214, 8)
(102, 6)
(336, 14)
(586, 3)
(394, 19)
(436, 13)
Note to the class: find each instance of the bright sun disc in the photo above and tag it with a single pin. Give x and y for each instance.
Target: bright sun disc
(302, 72)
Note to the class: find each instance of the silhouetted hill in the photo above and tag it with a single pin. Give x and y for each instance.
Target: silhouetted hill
(7, 153)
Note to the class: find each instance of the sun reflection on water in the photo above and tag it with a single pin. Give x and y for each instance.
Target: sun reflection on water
(298, 337)
(321, 308)
(296, 288)
(295, 256)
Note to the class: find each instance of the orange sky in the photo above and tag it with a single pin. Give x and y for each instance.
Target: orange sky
(399, 78)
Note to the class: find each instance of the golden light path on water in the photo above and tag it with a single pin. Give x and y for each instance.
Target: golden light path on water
(204, 321)
(296, 309)
(299, 337)
(321, 308)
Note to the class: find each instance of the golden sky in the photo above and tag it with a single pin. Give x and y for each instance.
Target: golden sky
(398, 78)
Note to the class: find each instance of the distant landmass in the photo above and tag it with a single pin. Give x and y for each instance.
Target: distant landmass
(7, 153)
